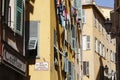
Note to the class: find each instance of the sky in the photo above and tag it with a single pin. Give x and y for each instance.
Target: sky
(107, 3)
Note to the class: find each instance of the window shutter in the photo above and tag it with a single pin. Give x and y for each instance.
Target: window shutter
(66, 34)
(87, 68)
(55, 37)
(88, 42)
(19, 17)
(83, 16)
(84, 42)
(70, 71)
(73, 41)
(66, 65)
(33, 34)
(84, 68)
(3, 7)
(79, 7)
(75, 3)
(69, 35)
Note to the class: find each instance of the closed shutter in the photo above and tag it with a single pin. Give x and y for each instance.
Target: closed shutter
(19, 17)
(33, 35)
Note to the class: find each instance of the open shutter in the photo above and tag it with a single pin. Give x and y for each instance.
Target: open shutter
(88, 42)
(33, 34)
(79, 7)
(69, 70)
(55, 37)
(3, 7)
(66, 65)
(66, 34)
(19, 17)
(84, 42)
(83, 16)
(87, 68)
(73, 39)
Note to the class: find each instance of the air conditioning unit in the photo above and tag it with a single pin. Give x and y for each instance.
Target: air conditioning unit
(32, 43)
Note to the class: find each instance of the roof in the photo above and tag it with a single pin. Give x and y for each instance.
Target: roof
(97, 8)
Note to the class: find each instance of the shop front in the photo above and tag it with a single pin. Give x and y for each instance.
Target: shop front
(13, 66)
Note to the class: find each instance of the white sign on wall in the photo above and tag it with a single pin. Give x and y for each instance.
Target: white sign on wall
(41, 66)
(15, 61)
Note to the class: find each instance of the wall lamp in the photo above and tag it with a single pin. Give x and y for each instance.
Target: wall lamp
(108, 27)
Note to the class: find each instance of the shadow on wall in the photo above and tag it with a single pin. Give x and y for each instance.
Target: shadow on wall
(101, 75)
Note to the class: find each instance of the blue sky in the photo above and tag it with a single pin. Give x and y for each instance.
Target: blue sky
(108, 3)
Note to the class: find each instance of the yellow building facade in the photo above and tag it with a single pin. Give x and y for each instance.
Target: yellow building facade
(57, 30)
(99, 49)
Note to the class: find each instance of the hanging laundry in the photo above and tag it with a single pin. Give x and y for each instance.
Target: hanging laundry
(62, 21)
(60, 9)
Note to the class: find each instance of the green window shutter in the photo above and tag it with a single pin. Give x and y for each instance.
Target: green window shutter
(19, 17)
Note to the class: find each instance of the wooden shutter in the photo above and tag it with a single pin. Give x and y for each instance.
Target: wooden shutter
(33, 34)
(79, 7)
(19, 17)
(55, 37)
(66, 65)
(83, 16)
(84, 42)
(87, 68)
(3, 7)
(73, 39)
(88, 42)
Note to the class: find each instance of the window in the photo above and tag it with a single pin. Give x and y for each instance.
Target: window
(55, 37)
(95, 21)
(98, 47)
(99, 24)
(86, 42)
(103, 51)
(19, 17)
(73, 39)
(96, 43)
(33, 27)
(70, 70)
(84, 17)
(86, 68)
(103, 28)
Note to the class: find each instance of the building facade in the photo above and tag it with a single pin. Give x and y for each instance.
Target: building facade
(13, 62)
(116, 25)
(55, 26)
(99, 49)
